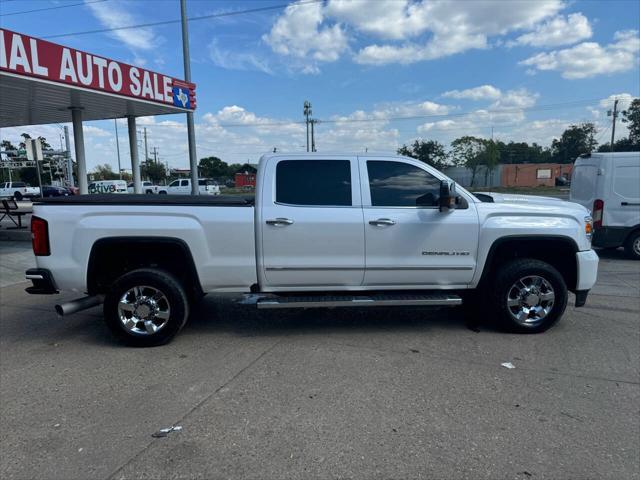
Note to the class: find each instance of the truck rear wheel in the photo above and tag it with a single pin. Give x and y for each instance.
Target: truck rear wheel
(632, 246)
(146, 307)
(528, 296)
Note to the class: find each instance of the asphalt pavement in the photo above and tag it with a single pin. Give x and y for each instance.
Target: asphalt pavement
(366, 393)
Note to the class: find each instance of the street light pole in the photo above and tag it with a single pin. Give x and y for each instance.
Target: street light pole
(193, 160)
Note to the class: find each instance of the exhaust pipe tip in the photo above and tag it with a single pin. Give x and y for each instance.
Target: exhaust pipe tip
(78, 305)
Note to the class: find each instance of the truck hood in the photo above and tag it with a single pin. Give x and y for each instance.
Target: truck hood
(517, 198)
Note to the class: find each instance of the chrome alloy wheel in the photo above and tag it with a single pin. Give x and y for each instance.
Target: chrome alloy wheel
(530, 300)
(144, 310)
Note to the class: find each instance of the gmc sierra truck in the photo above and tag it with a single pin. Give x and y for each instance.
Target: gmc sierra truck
(322, 231)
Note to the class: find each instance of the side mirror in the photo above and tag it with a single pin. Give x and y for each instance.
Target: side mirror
(447, 196)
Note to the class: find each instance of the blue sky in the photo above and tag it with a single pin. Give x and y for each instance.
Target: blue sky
(522, 69)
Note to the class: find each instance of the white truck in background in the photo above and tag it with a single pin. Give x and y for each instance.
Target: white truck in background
(609, 185)
(324, 231)
(182, 186)
(147, 187)
(18, 190)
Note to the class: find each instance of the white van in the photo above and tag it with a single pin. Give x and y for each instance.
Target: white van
(608, 184)
(108, 186)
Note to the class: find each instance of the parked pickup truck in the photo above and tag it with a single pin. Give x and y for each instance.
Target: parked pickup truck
(18, 190)
(323, 231)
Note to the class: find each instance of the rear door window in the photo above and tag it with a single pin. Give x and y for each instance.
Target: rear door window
(184, 183)
(583, 182)
(314, 182)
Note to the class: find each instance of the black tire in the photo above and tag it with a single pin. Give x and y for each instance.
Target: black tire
(632, 245)
(505, 280)
(175, 298)
(162, 192)
(17, 196)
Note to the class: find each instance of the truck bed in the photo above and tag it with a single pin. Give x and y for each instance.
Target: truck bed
(145, 199)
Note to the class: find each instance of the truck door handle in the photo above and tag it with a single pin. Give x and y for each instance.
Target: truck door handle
(628, 204)
(280, 222)
(382, 221)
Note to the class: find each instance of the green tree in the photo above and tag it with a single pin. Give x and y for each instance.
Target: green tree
(154, 171)
(241, 168)
(490, 158)
(469, 152)
(29, 175)
(522, 152)
(622, 145)
(213, 167)
(631, 116)
(430, 152)
(23, 144)
(104, 172)
(575, 140)
(7, 145)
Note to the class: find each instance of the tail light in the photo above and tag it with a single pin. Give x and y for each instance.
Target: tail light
(598, 210)
(40, 237)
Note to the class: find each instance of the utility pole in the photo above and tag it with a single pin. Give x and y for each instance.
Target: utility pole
(307, 113)
(193, 160)
(155, 155)
(613, 114)
(115, 122)
(313, 138)
(146, 149)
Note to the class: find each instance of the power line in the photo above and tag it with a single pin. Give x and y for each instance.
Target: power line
(51, 8)
(547, 107)
(191, 19)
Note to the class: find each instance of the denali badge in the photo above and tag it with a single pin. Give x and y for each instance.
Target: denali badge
(452, 253)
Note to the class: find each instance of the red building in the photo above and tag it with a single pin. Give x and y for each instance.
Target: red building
(534, 174)
(246, 179)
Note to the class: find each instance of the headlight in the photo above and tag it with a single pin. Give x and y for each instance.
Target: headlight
(588, 227)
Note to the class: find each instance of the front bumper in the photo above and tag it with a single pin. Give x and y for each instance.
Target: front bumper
(43, 283)
(587, 262)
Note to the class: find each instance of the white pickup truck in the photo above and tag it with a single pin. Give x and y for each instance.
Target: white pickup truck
(18, 190)
(323, 231)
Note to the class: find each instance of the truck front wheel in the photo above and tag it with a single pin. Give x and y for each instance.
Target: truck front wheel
(146, 307)
(528, 296)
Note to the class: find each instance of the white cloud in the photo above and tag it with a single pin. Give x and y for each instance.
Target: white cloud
(236, 60)
(298, 33)
(388, 19)
(557, 31)
(624, 100)
(113, 15)
(482, 92)
(90, 130)
(457, 27)
(589, 59)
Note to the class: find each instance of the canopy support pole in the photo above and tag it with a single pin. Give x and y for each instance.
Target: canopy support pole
(133, 148)
(78, 142)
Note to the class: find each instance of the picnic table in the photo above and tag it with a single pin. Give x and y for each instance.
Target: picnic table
(11, 210)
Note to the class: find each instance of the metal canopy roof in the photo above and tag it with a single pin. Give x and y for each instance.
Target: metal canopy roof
(34, 101)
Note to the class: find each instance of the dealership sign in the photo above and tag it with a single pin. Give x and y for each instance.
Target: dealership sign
(27, 56)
